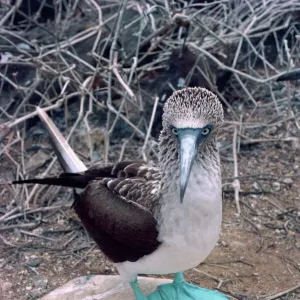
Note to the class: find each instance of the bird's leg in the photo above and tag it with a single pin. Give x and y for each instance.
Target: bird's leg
(178, 282)
(137, 291)
(178, 278)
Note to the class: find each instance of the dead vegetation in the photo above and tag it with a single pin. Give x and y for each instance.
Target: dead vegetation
(102, 70)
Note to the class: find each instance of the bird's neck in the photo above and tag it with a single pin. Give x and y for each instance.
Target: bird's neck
(198, 218)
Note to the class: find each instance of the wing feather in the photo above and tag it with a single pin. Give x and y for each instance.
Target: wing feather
(123, 230)
(137, 183)
(116, 206)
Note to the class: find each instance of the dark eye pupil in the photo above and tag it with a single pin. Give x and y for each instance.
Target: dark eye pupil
(174, 130)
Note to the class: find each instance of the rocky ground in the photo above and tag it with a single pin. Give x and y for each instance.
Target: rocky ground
(256, 257)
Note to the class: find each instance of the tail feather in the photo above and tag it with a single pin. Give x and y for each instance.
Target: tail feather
(67, 158)
(75, 181)
(69, 161)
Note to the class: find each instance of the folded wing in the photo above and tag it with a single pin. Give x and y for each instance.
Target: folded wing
(116, 206)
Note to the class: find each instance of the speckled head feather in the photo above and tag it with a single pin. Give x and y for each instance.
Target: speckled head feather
(193, 107)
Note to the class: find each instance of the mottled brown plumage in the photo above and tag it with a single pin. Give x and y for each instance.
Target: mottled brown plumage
(123, 229)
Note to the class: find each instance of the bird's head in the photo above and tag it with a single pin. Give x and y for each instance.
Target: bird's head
(191, 117)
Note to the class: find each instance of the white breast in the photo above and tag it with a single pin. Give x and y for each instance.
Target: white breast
(188, 231)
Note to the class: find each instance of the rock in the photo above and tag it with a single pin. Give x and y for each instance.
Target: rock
(36, 293)
(40, 281)
(106, 287)
(255, 185)
(288, 180)
(6, 286)
(276, 185)
(34, 263)
(224, 244)
(237, 245)
(36, 161)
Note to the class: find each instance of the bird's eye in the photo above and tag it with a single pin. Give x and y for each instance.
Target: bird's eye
(205, 131)
(174, 130)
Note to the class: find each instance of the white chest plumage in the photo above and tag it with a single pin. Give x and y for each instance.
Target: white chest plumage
(188, 231)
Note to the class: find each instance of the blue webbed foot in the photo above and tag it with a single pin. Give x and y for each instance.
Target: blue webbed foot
(179, 290)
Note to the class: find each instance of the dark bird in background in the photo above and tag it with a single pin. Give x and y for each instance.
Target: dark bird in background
(291, 75)
(155, 220)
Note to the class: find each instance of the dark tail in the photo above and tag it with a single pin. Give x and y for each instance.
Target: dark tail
(65, 179)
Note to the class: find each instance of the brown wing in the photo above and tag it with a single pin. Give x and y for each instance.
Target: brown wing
(116, 207)
(123, 230)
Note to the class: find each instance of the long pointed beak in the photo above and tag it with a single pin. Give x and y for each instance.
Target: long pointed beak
(292, 75)
(189, 140)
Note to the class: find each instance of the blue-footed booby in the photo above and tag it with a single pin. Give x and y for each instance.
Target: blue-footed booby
(156, 220)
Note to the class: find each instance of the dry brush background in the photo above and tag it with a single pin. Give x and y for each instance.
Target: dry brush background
(102, 70)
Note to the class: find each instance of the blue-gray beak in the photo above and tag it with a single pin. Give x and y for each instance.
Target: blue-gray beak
(292, 75)
(189, 140)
